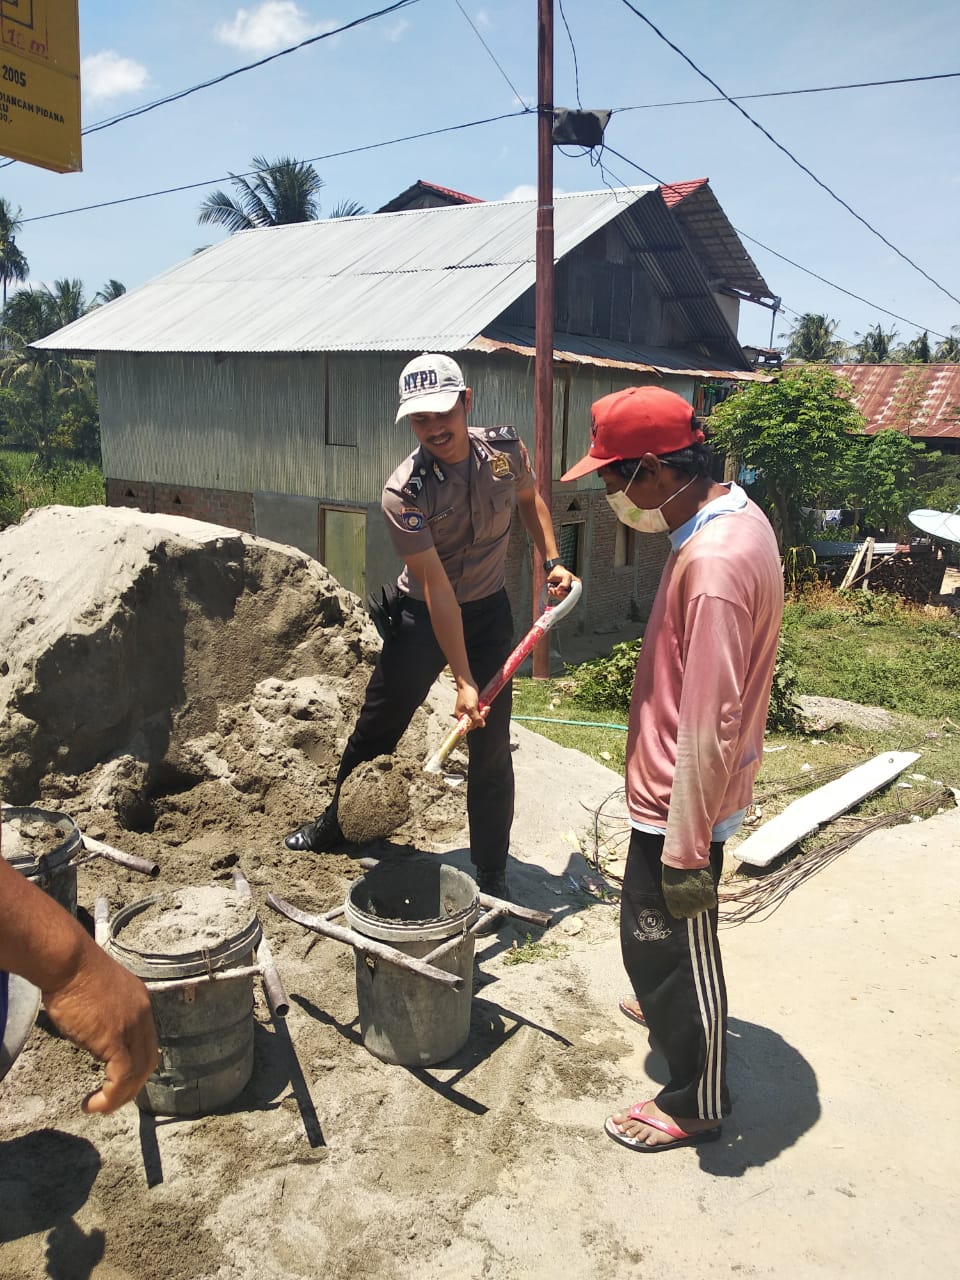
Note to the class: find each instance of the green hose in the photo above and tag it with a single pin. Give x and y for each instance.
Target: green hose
(584, 724)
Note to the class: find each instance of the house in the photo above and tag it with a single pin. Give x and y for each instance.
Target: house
(255, 384)
(921, 400)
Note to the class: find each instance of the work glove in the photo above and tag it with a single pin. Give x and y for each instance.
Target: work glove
(687, 891)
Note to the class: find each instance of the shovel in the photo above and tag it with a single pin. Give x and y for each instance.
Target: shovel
(549, 618)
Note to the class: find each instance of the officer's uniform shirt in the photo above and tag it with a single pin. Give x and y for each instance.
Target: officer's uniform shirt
(463, 510)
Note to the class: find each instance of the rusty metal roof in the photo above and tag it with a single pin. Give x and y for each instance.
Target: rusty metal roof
(921, 400)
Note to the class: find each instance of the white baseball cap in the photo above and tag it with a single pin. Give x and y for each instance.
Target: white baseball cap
(430, 384)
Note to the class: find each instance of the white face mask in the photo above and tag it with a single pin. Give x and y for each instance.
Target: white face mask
(640, 518)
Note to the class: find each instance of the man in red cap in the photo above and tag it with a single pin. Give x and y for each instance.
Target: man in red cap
(695, 741)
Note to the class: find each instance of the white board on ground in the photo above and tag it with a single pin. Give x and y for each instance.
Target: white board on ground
(811, 811)
(938, 524)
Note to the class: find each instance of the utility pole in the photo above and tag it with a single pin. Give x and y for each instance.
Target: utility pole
(543, 293)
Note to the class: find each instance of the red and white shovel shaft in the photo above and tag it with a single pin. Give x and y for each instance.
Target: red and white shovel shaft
(551, 615)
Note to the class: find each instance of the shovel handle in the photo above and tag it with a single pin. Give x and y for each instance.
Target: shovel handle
(550, 616)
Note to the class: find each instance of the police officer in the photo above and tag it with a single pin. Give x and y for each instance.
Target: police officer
(448, 508)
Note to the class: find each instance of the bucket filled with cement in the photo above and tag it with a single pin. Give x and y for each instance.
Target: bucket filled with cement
(417, 905)
(41, 844)
(195, 948)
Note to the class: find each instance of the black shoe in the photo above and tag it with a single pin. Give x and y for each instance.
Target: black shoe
(493, 882)
(316, 837)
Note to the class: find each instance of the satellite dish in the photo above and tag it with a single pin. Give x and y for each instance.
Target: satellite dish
(944, 525)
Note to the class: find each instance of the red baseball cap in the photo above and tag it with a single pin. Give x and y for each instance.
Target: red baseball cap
(630, 423)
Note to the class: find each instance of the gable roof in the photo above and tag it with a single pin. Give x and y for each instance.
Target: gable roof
(428, 279)
(714, 238)
(922, 400)
(424, 194)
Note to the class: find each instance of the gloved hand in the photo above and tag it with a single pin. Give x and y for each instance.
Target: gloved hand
(687, 891)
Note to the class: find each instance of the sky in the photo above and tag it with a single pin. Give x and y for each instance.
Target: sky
(890, 152)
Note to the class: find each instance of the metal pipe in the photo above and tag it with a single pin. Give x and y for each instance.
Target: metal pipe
(379, 950)
(221, 975)
(543, 292)
(101, 922)
(273, 987)
(129, 860)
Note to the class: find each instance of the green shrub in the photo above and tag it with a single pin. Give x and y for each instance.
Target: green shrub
(606, 684)
(785, 715)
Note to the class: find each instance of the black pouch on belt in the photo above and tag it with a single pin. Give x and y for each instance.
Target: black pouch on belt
(386, 611)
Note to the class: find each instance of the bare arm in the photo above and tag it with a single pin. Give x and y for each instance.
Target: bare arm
(94, 1001)
(447, 623)
(536, 520)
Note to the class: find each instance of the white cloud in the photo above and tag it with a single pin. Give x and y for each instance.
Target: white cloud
(272, 25)
(527, 191)
(108, 75)
(483, 20)
(397, 31)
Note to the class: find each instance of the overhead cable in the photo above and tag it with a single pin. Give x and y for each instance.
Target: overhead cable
(790, 93)
(790, 156)
(476, 31)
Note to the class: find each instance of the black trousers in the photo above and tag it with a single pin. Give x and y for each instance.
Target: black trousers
(408, 665)
(677, 975)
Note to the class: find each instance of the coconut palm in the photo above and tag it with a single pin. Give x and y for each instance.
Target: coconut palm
(948, 349)
(13, 265)
(873, 347)
(280, 192)
(111, 290)
(812, 339)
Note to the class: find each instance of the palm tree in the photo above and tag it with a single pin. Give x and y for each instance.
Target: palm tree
(67, 302)
(280, 192)
(13, 264)
(916, 351)
(948, 349)
(812, 339)
(111, 290)
(873, 347)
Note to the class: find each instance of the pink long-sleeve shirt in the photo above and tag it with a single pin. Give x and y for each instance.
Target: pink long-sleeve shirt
(703, 680)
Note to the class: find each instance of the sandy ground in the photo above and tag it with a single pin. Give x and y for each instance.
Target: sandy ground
(493, 1164)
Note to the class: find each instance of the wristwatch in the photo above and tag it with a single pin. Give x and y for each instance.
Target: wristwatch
(552, 564)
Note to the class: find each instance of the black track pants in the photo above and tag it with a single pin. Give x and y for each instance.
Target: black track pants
(408, 665)
(677, 975)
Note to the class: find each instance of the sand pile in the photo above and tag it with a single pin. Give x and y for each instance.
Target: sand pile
(165, 681)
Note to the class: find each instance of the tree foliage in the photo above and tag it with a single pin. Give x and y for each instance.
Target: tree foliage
(13, 264)
(796, 431)
(280, 192)
(879, 477)
(874, 346)
(813, 338)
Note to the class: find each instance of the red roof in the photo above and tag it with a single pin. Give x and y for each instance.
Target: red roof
(674, 192)
(449, 191)
(922, 400)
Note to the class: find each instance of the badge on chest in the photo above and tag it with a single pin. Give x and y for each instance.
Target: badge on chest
(500, 465)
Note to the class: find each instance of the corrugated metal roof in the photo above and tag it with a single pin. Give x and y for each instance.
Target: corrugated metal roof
(714, 238)
(574, 348)
(425, 279)
(920, 399)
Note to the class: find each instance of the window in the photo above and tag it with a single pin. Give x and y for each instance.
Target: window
(624, 547)
(571, 546)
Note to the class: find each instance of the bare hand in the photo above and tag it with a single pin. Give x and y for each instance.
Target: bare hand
(106, 1009)
(468, 704)
(559, 582)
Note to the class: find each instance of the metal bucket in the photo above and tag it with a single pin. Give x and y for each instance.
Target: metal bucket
(50, 869)
(205, 1028)
(414, 905)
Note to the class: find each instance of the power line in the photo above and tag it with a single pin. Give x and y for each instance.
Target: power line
(743, 234)
(573, 50)
(789, 154)
(228, 75)
(791, 93)
(332, 155)
(516, 92)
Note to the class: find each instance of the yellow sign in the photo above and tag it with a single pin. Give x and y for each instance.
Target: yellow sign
(40, 83)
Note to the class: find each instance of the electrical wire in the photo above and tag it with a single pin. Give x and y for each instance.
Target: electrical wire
(807, 271)
(573, 50)
(790, 156)
(331, 155)
(516, 92)
(228, 75)
(791, 93)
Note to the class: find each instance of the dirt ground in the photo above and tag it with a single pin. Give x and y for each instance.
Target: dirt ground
(183, 693)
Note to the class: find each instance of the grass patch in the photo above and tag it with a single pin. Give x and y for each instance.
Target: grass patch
(25, 484)
(530, 952)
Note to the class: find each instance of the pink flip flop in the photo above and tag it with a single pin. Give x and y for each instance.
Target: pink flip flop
(624, 1007)
(680, 1137)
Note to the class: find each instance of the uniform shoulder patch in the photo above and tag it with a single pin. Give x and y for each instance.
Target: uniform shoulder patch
(501, 433)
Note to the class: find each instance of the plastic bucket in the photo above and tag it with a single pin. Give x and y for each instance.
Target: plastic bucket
(205, 1029)
(414, 905)
(47, 864)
